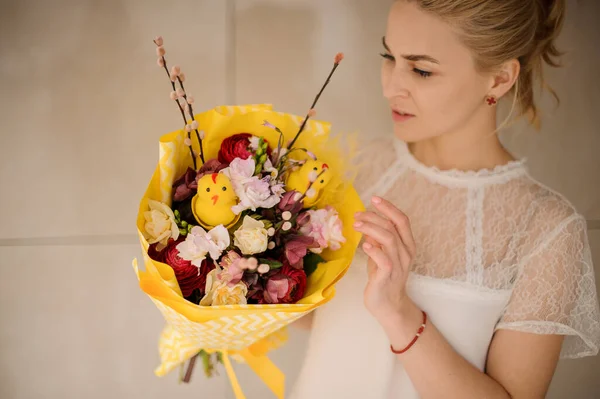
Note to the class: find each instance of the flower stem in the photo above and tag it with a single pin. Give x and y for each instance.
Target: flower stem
(164, 61)
(192, 116)
(310, 185)
(190, 369)
(335, 65)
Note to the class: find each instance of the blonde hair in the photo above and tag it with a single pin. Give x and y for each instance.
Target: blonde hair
(500, 30)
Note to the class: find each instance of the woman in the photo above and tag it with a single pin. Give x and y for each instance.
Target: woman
(477, 277)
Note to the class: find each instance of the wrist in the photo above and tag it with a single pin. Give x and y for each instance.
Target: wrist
(402, 325)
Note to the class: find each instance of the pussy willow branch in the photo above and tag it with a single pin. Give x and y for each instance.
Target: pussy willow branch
(335, 65)
(192, 116)
(164, 62)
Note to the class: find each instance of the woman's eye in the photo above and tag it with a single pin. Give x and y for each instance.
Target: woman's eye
(387, 56)
(422, 73)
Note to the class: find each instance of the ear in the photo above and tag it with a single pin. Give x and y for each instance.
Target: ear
(504, 78)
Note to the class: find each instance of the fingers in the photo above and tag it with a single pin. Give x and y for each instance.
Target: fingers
(400, 221)
(376, 219)
(384, 264)
(383, 237)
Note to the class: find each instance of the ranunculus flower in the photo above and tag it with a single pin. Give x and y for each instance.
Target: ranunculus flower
(188, 276)
(325, 226)
(288, 285)
(200, 243)
(160, 224)
(251, 238)
(297, 248)
(235, 146)
(218, 292)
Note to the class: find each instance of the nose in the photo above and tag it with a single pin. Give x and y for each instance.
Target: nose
(395, 83)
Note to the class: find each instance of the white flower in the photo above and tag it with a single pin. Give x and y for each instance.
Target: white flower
(160, 224)
(251, 238)
(268, 167)
(325, 226)
(200, 243)
(219, 292)
(251, 191)
(254, 140)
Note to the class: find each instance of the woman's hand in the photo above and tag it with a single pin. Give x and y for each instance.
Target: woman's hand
(390, 245)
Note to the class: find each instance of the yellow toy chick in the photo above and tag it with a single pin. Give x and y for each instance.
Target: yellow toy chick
(300, 180)
(212, 204)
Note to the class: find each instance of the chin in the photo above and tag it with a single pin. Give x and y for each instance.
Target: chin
(407, 135)
(412, 135)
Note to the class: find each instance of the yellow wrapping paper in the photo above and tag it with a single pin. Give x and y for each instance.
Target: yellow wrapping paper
(242, 332)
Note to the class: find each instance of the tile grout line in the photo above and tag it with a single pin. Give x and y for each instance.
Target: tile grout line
(230, 52)
(120, 239)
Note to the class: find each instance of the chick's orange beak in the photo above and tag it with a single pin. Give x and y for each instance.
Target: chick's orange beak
(215, 198)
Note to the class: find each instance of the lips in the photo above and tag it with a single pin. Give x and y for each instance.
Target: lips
(401, 112)
(401, 116)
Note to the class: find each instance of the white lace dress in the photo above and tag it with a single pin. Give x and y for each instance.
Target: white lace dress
(495, 250)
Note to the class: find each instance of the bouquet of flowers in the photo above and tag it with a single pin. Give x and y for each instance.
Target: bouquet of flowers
(245, 227)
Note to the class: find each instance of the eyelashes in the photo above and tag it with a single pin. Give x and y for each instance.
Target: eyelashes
(420, 72)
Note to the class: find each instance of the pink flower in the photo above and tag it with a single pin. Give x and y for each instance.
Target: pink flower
(297, 248)
(175, 70)
(173, 95)
(338, 58)
(182, 77)
(290, 203)
(276, 288)
(232, 268)
(288, 285)
(158, 40)
(160, 51)
(325, 227)
(180, 92)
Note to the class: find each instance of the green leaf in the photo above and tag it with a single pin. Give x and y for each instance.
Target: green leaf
(311, 262)
(273, 264)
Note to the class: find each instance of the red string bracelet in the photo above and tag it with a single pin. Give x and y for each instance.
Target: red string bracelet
(419, 332)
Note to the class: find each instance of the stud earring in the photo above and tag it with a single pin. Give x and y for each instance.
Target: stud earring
(491, 100)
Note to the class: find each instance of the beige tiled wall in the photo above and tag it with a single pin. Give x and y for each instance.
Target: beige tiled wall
(81, 107)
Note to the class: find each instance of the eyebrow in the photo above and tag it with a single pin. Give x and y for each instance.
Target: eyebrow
(412, 57)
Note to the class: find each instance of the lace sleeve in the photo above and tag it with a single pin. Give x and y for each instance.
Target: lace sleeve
(555, 292)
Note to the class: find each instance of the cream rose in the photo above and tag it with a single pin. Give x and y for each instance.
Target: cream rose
(219, 292)
(160, 224)
(251, 238)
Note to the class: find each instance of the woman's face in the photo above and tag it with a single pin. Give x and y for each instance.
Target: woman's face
(428, 74)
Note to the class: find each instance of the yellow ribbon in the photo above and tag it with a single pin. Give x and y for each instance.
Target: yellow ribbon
(266, 370)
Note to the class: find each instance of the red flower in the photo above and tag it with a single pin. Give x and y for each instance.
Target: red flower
(158, 256)
(188, 276)
(235, 146)
(288, 285)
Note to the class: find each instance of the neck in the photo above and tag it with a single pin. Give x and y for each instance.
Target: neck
(475, 147)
